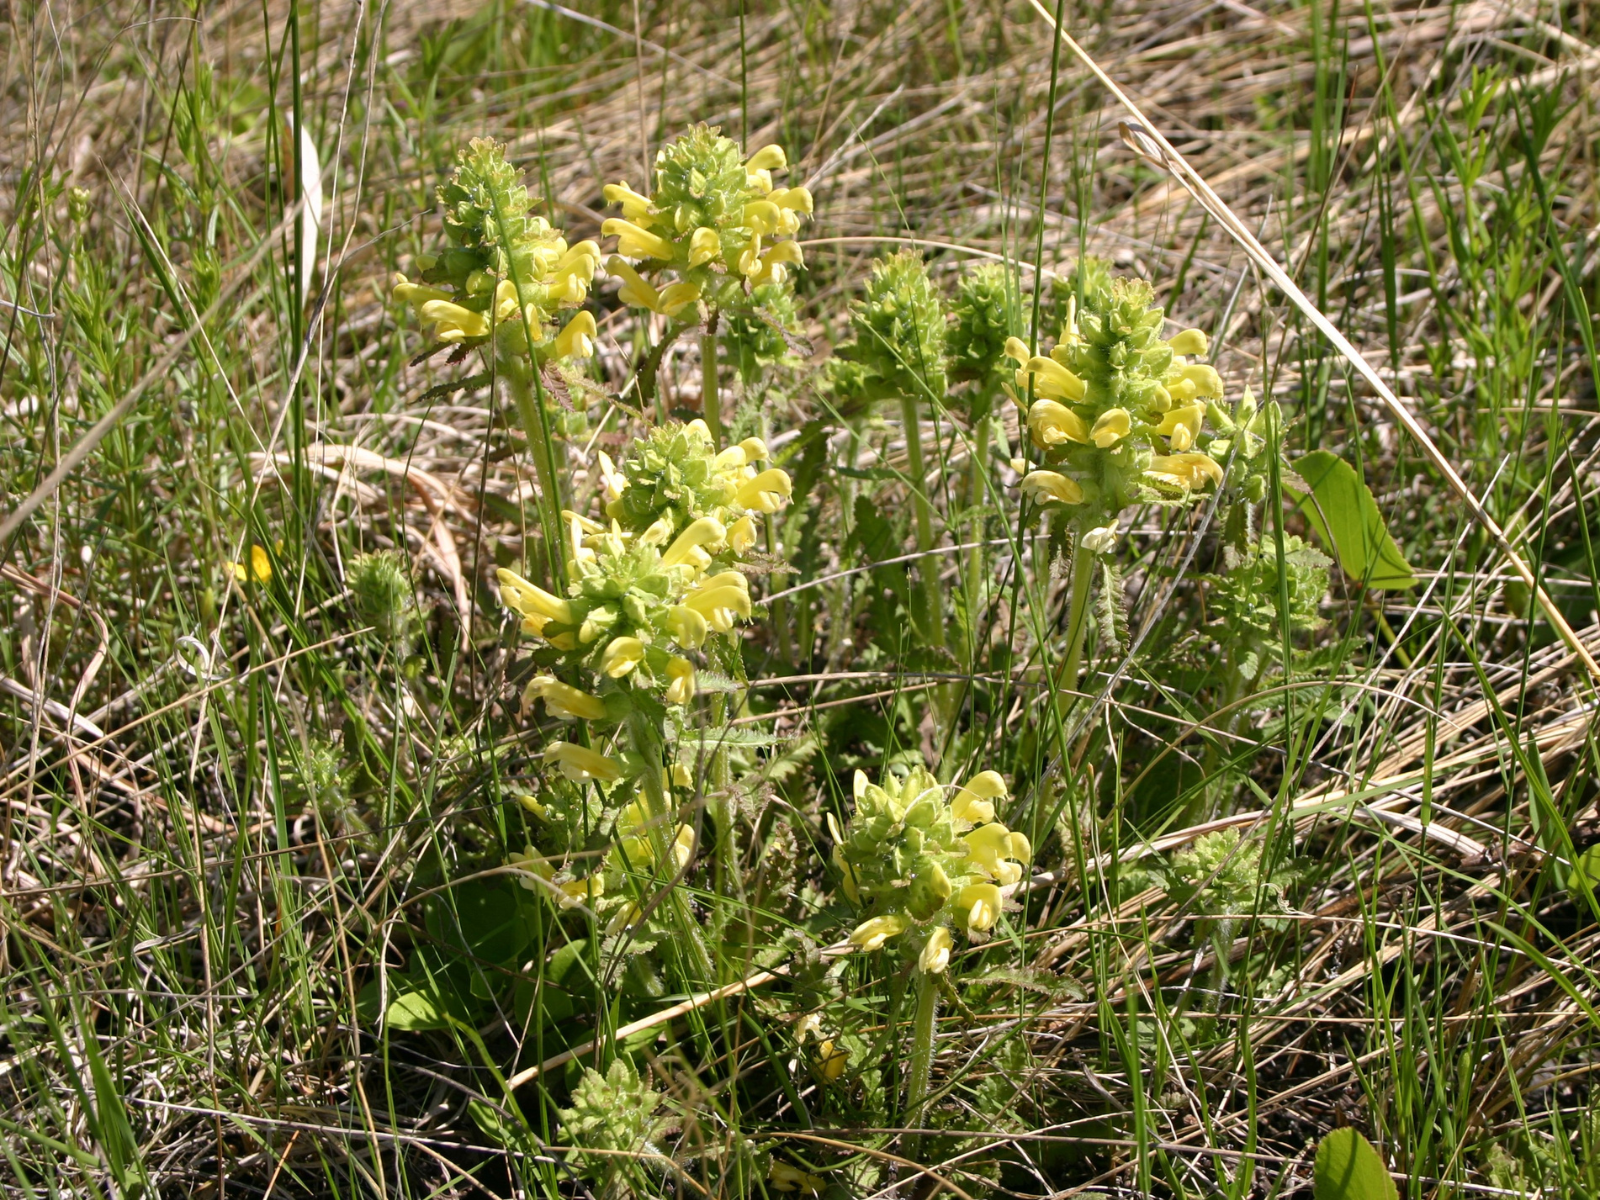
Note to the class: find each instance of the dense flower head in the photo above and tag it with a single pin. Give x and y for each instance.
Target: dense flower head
(916, 855)
(900, 334)
(985, 317)
(1117, 409)
(651, 586)
(713, 218)
(504, 260)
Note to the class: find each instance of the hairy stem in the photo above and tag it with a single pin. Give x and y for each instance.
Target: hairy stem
(921, 1050)
(710, 399)
(541, 449)
(1077, 617)
(926, 568)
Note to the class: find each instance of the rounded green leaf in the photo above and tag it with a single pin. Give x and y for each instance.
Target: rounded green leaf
(1348, 1168)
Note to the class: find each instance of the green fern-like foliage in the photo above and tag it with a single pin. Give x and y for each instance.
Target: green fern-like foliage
(985, 315)
(618, 1113)
(1247, 597)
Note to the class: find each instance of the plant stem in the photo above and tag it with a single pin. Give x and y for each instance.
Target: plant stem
(926, 570)
(531, 413)
(974, 588)
(1077, 616)
(710, 400)
(921, 1051)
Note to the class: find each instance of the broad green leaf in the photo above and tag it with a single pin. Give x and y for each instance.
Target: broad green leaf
(414, 1012)
(1341, 509)
(1348, 1168)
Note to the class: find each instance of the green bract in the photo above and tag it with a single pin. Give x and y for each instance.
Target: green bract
(899, 328)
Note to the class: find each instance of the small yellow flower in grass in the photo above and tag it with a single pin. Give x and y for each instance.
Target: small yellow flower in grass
(988, 845)
(872, 934)
(705, 244)
(974, 801)
(1110, 427)
(1051, 487)
(576, 340)
(742, 535)
(1051, 381)
(416, 294)
(621, 656)
(518, 594)
(831, 1061)
(1181, 425)
(634, 290)
(1190, 341)
(1051, 424)
(563, 700)
(259, 570)
(720, 599)
(676, 297)
(687, 627)
(765, 493)
(1205, 379)
(681, 672)
(635, 208)
(695, 545)
(772, 262)
(452, 323)
(795, 199)
(1189, 471)
(785, 1178)
(580, 764)
(532, 805)
(634, 241)
(682, 848)
(982, 904)
(612, 480)
(1102, 540)
(769, 158)
(762, 216)
(935, 956)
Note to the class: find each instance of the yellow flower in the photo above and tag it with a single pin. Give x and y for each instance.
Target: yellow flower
(1190, 341)
(1110, 427)
(1017, 349)
(1051, 424)
(635, 207)
(534, 602)
(704, 245)
(688, 627)
(770, 269)
(580, 764)
(831, 1061)
(785, 1178)
(768, 158)
(1205, 379)
(795, 199)
(612, 480)
(682, 848)
(416, 294)
(873, 933)
(576, 340)
(1102, 540)
(563, 700)
(620, 656)
(259, 571)
(1051, 381)
(742, 535)
(634, 291)
(719, 599)
(974, 801)
(935, 956)
(635, 241)
(761, 216)
(1050, 487)
(690, 546)
(681, 689)
(766, 492)
(1181, 425)
(1188, 471)
(1019, 848)
(676, 297)
(451, 322)
(531, 803)
(987, 845)
(982, 904)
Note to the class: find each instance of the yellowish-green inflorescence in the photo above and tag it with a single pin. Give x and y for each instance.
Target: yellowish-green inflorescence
(651, 583)
(712, 229)
(920, 860)
(504, 260)
(1117, 410)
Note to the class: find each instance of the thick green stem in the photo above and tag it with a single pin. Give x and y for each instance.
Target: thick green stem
(710, 398)
(1077, 618)
(921, 1052)
(927, 569)
(541, 449)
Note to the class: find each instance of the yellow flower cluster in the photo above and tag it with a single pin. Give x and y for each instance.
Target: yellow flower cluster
(713, 219)
(918, 859)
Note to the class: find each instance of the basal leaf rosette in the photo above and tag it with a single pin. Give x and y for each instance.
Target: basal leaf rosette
(503, 260)
(713, 227)
(1117, 410)
(921, 861)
